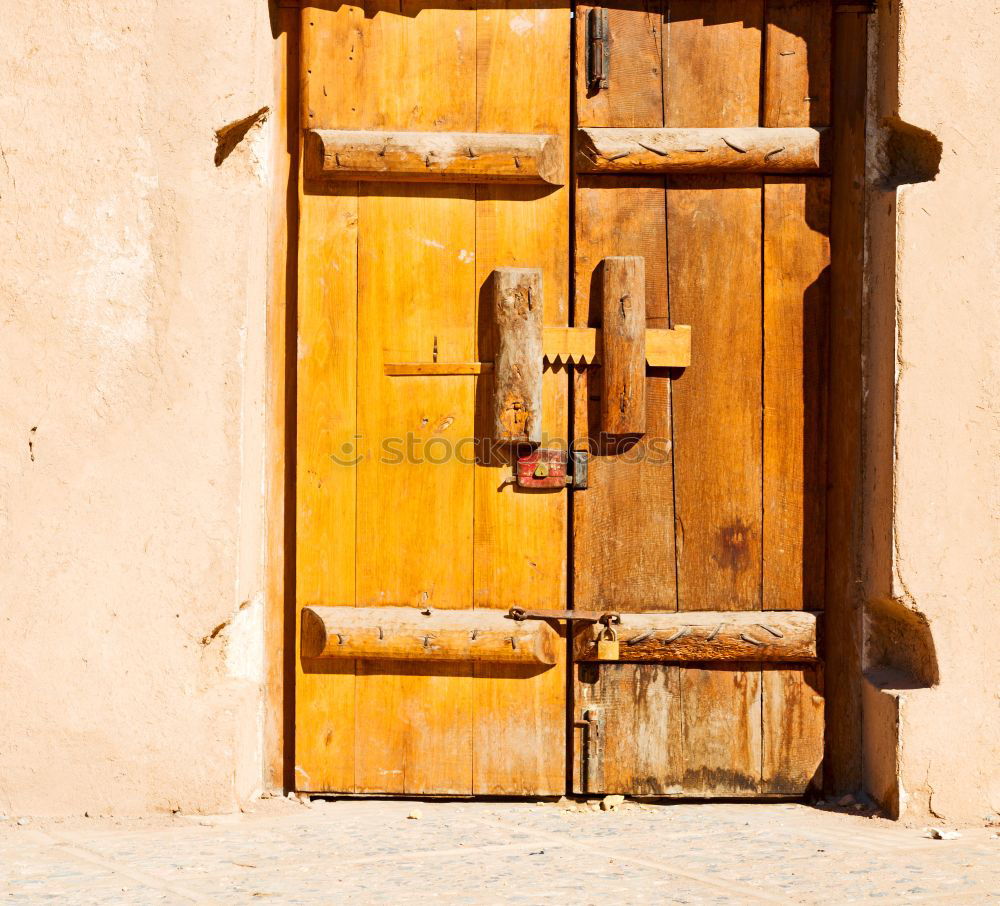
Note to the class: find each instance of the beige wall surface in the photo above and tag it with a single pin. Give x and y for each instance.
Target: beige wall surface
(132, 304)
(933, 415)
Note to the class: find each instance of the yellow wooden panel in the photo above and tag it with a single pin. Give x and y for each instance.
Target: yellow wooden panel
(520, 537)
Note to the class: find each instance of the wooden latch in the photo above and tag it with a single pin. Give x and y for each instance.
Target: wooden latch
(624, 346)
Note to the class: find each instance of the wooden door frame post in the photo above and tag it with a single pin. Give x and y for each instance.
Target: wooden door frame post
(843, 625)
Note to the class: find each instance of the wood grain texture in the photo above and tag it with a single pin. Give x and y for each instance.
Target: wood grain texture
(673, 150)
(708, 636)
(520, 538)
(624, 523)
(623, 345)
(792, 745)
(410, 634)
(712, 76)
(797, 63)
(640, 744)
(843, 607)
(467, 157)
(635, 65)
(326, 403)
(796, 310)
(517, 366)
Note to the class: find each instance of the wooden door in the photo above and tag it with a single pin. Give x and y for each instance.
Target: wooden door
(451, 149)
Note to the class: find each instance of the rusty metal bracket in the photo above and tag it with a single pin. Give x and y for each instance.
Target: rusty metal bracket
(606, 618)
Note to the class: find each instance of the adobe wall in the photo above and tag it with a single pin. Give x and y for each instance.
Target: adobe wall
(132, 299)
(932, 474)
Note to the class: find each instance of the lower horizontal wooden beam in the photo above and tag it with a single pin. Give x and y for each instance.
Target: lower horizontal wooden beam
(409, 634)
(470, 157)
(708, 636)
(676, 150)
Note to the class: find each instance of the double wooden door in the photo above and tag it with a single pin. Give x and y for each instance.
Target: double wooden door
(451, 149)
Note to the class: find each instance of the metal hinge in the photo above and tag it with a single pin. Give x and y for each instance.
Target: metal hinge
(598, 49)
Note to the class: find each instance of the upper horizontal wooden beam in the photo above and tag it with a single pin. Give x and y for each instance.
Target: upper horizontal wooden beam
(747, 150)
(434, 156)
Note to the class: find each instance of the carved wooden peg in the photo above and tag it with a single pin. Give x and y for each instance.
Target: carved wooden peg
(623, 356)
(517, 369)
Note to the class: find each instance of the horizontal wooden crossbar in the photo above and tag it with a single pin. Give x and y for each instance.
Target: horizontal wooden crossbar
(570, 346)
(470, 157)
(408, 634)
(746, 150)
(708, 636)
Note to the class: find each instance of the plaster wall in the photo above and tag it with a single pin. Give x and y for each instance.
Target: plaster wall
(932, 481)
(132, 347)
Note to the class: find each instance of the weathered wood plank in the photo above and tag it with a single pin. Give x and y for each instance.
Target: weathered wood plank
(700, 150)
(708, 636)
(796, 308)
(467, 157)
(793, 710)
(623, 345)
(326, 421)
(411, 634)
(632, 97)
(517, 369)
(797, 63)
(712, 78)
(624, 523)
(522, 84)
(416, 292)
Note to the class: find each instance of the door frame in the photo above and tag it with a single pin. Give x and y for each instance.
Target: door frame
(843, 597)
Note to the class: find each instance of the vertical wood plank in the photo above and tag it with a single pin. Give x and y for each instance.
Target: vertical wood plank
(623, 523)
(796, 308)
(712, 75)
(792, 750)
(326, 429)
(523, 71)
(623, 345)
(797, 63)
(416, 277)
(796, 313)
(641, 740)
(636, 60)
(721, 728)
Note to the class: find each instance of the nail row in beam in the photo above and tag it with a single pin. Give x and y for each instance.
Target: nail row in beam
(708, 636)
(435, 156)
(409, 634)
(474, 157)
(749, 150)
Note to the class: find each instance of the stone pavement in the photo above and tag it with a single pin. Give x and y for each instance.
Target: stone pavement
(370, 851)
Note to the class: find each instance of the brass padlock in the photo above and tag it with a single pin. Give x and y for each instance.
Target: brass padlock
(607, 645)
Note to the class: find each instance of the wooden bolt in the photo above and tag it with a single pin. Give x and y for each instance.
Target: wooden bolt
(517, 369)
(623, 357)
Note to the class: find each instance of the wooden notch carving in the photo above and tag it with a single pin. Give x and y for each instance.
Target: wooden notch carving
(709, 636)
(623, 341)
(676, 150)
(410, 634)
(517, 369)
(434, 156)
